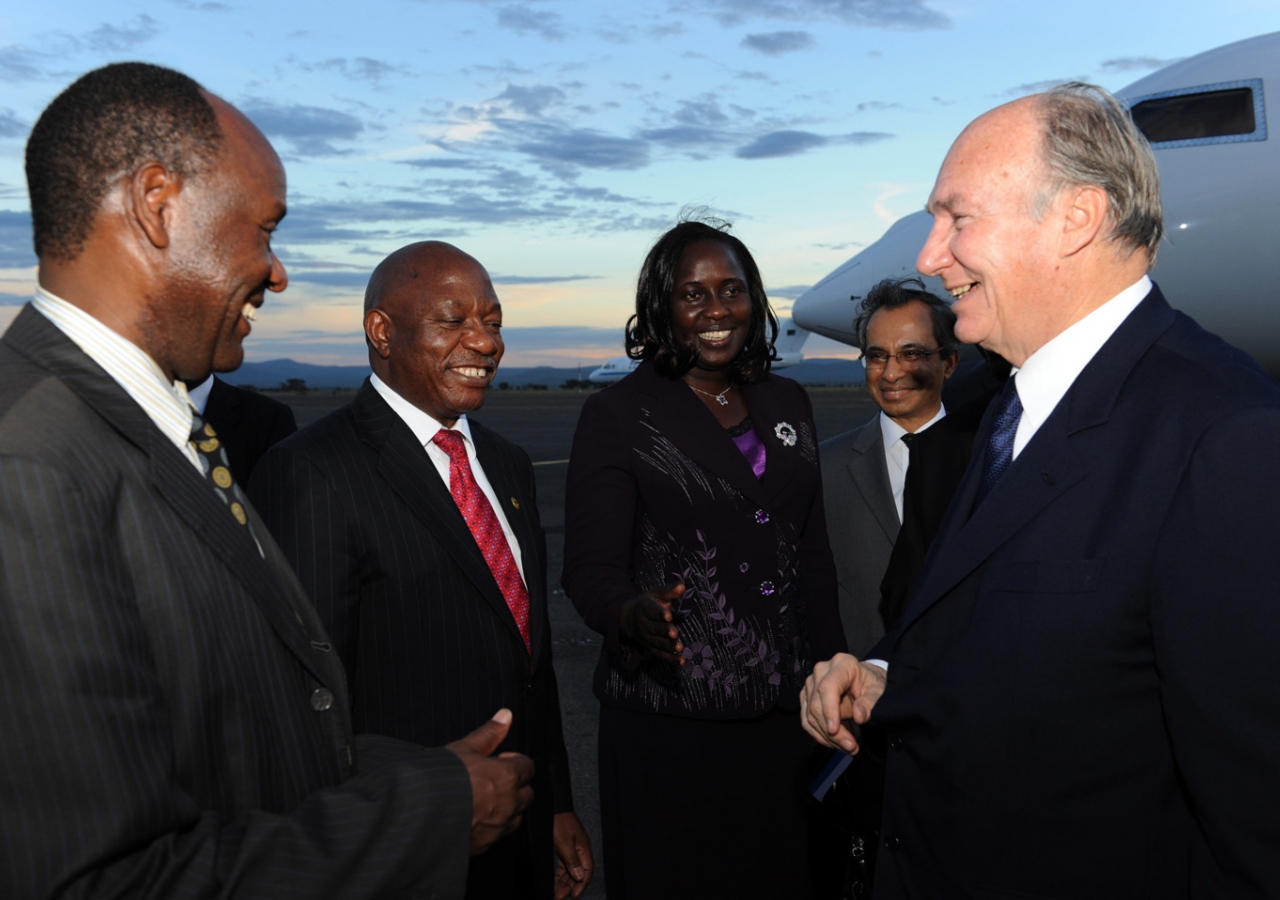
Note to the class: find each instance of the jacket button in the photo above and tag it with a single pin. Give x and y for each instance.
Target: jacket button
(322, 699)
(892, 843)
(895, 742)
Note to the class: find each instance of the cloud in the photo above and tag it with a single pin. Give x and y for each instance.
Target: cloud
(587, 148)
(876, 105)
(788, 292)
(790, 143)
(532, 100)
(523, 20)
(310, 130)
(18, 63)
(447, 162)
(1134, 63)
(361, 68)
(331, 278)
(777, 43)
(202, 7)
(15, 240)
(14, 299)
(903, 15)
(705, 111)
(684, 136)
(11, 125)
(539, 279)
(118, 39)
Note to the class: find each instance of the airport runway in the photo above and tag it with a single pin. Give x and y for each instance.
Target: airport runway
(542, 422)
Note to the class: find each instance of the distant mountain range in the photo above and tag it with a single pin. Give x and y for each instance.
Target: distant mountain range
(275, 373)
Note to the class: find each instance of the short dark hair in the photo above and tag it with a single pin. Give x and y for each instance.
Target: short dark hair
(108, 124)
(896, 293)
(649, 334)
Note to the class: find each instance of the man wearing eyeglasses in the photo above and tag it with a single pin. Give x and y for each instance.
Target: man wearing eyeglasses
(909, 348)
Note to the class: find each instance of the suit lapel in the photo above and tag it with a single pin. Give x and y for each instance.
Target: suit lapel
(498, 469)
(680, 417)
(1047, 466)
(404, 465)
(865, 460)
(175, 481)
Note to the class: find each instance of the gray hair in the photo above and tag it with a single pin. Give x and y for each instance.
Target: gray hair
(895, 294)
(1090, 139)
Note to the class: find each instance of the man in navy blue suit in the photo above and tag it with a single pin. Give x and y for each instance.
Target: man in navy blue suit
(1079, 699)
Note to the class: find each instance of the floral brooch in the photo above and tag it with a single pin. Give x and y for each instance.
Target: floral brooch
(786, 433)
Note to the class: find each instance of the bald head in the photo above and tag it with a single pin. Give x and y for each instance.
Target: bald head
(433, 325)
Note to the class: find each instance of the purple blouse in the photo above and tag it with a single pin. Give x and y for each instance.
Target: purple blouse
(749, 444)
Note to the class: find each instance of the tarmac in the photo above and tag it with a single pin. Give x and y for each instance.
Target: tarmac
(543, 422)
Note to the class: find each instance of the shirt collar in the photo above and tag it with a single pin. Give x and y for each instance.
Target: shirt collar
(892, 432)
(1048, 373)
(423, 425)
(165, 402)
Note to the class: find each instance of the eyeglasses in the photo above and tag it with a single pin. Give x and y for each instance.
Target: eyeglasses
(909, 358)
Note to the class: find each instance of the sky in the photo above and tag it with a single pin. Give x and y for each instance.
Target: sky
(555, 140)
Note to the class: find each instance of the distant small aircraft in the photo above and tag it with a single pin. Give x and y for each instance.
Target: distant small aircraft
(791, 338)
(1207, 119)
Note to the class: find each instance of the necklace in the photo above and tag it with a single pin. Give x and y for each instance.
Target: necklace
(719, 398)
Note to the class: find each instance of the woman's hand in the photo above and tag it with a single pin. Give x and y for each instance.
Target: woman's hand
(646, 624)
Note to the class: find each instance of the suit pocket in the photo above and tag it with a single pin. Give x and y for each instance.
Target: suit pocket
(1048, 576)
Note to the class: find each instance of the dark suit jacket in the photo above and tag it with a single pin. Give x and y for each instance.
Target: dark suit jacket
(248, 424)
(939, 457)
(1082, 699)
(430, 648)
(174, 718)
(862, 523)
(657, 493)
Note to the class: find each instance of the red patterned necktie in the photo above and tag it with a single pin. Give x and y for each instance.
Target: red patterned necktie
(485, 528)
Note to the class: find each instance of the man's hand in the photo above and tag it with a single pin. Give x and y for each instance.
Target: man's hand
(646, 623)
(841, 688)
(500, 790)
(574, 863)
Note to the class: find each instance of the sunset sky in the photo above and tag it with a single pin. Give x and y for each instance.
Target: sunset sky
(554, 140)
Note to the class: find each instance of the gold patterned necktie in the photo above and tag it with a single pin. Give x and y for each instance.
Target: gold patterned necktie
(213, 462)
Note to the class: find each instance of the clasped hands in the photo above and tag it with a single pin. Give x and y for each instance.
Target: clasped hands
(840, 688)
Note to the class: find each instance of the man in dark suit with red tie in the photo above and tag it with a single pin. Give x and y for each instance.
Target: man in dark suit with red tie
(416, 533)
(1080, 698)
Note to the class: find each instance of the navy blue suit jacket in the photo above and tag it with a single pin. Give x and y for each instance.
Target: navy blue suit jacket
(1082, 698)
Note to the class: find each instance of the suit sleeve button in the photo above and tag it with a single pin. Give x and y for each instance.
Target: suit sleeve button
(322, 699)
(892, 843)
(895, 742)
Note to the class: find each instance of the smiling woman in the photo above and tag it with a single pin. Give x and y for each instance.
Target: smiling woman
(695, 542)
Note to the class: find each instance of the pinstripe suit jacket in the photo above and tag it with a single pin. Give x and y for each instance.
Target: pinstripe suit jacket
(174, 719)
(430, 647)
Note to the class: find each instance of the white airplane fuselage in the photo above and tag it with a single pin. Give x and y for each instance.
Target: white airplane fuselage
(1219, 261)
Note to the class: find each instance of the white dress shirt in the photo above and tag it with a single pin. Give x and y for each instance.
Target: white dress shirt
(897, 455)
(199, 395)
(424, 428)
(164, 402)
(1048, 374)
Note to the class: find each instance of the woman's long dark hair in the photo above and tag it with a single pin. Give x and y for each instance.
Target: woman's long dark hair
(649, 333)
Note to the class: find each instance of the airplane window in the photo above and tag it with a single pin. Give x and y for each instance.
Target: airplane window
(1208, 114)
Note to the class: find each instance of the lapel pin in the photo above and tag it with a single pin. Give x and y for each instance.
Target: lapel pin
(515, 502)
(785, 433)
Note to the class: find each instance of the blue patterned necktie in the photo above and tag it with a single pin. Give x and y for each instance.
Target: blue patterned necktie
(999, 455)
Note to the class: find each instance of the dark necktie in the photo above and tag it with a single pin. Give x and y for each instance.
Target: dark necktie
(213, 461)
(485, 528)
(999, 455)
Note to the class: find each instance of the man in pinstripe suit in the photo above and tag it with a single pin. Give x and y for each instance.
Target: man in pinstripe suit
(175, 721)
(361, 505)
